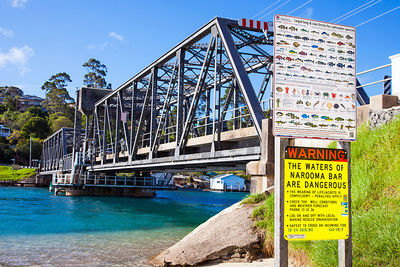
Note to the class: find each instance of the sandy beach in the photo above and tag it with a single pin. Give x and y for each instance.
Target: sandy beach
(259, 263)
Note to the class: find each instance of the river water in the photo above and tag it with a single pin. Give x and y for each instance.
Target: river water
(37, 228)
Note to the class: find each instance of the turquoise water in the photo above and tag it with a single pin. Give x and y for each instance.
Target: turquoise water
(37, 228)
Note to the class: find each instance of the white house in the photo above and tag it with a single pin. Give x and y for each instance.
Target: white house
(4, 131)
(227, 182)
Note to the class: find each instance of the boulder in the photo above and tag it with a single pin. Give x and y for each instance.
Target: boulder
(227, 236)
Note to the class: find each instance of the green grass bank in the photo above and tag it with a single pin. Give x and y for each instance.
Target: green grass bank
(375, 170)
(8, 174)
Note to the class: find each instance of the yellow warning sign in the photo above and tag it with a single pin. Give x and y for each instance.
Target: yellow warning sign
(316, 194)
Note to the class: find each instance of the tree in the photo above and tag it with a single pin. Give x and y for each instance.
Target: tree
(23, 149)
(22, 119)
(3, 108)
(57, 81)
(11, 91)
(61, 122)
(9, 117)
(35, 127)
(31, 112)
(96, 73)
(57, 96)
(36, 111)
(11, 103)
(6, 153)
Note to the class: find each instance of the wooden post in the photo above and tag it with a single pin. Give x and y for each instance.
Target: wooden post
(281, 244)
(345, 246)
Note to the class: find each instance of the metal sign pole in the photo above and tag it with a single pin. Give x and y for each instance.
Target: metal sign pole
(281, 244)
(345, 246)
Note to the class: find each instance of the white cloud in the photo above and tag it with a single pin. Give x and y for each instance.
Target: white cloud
(6, 32)
(307, 13)
(117, 36)
(17, 56)
(19, 3)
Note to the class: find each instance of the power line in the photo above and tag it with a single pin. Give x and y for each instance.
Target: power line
(358, 11)
(299, 7)
(268, 7)
(352, 11)
(365, 22)
(275, 9)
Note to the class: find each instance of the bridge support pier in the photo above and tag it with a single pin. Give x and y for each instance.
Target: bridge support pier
(110, 191)
(262, 171)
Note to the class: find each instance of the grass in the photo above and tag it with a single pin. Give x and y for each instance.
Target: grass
(375, 176)
(254, 199)
(8, 174)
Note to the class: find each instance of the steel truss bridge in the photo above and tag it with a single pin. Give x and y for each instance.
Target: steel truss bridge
(200, 106)
(193, 108)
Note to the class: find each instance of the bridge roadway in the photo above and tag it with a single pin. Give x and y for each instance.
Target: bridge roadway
(243, 146)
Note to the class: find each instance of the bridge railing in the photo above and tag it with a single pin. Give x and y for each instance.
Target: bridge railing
(62, 179)
(362, 96)
(66, 162)
(133, 181)
(240, 114)
(375, 82)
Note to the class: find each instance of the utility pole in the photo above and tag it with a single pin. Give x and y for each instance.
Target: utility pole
(30, 151)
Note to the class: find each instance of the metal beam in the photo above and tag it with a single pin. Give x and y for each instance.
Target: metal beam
(198, 90)
(362, 97)
(243, 79)
(164, 112)
(153, 109)
(140, 123)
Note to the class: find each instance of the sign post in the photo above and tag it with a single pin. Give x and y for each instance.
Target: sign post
(345, 246)
(280, 243)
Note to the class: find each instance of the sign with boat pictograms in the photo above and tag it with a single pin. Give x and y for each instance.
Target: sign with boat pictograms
(316, 188)
(314, 85)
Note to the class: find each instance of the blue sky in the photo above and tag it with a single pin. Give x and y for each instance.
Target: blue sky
(39, 38)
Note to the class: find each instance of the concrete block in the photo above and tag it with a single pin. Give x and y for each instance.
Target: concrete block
(362, 114)
(88, 97)
(379, 102)
(260, 184)
(267, 142)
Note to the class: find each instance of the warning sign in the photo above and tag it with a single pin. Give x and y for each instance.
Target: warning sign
(316, 194)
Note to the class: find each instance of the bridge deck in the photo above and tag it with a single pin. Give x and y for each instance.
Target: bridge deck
(234, 158)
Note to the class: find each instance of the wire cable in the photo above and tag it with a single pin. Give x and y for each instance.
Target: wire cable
(268, 7)
(358, 11)
(299, 7)
(275, 9)
(374, 18)
(352, 11)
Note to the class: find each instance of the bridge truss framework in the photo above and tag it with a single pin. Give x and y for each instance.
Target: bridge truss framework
(193, 108)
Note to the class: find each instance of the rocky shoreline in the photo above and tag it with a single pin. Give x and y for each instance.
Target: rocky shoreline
(228, 236)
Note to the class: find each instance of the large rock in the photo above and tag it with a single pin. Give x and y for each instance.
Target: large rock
(228, 236)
